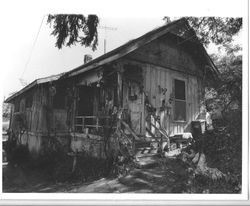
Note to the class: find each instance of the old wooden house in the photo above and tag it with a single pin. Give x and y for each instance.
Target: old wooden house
(154, 83)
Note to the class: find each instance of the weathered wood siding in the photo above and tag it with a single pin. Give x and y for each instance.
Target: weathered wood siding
(36, 115)
(164, 60)
(59, 120)
(158, 77)
(169, 53)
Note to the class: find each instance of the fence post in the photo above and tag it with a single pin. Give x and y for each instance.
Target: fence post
(97, 123)
(83, 125)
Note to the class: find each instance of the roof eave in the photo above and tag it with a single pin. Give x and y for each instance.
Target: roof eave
(33, 84)
(29, 86)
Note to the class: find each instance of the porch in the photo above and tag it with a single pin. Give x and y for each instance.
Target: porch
(89, 124)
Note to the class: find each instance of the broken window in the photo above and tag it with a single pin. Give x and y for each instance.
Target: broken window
(179, 100)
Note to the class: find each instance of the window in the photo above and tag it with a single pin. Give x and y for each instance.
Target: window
(179, 100)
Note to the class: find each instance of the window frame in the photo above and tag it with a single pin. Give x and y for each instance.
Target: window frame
(180, 100)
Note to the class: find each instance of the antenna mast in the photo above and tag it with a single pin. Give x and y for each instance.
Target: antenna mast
(105, 36)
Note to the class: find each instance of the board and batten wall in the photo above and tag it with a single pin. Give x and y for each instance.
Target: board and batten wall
(36, 117)
(156, 77)
(164, 60)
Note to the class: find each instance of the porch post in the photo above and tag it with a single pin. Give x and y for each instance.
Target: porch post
(74, 113)
(119, 85)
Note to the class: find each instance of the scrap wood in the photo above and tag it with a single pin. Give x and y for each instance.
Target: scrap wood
(130, 130)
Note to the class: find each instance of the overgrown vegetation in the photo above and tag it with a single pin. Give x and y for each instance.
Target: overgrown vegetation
(5, 112)
(221, 157)
(57, 165)
(217, 30)
(222, 146)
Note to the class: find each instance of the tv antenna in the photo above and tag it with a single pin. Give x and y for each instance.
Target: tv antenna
(105, 34)
(23, 82)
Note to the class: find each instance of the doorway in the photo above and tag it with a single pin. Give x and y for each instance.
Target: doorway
(85, 104)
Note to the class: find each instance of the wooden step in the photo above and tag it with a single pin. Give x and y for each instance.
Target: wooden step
(143, 148)
(142, 151)
(146, 155)
(147, 161)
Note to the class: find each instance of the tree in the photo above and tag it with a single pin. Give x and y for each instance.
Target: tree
(6, 111)
(227, 94)
(72, 29)
(216, 30)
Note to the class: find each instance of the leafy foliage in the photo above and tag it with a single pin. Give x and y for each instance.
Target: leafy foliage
(227, 94)
(71, 29)
(217, 30)
(6, 111)
(223, 145)
(76, 28)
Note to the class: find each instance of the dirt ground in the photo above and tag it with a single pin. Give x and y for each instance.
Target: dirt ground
(156, 178)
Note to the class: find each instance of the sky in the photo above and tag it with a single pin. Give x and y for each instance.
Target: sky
(29, 52)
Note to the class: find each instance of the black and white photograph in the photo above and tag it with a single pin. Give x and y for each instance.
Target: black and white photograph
(106, 105)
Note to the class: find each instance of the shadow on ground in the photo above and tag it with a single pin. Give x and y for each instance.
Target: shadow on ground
(167, 177)
(170, 178)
